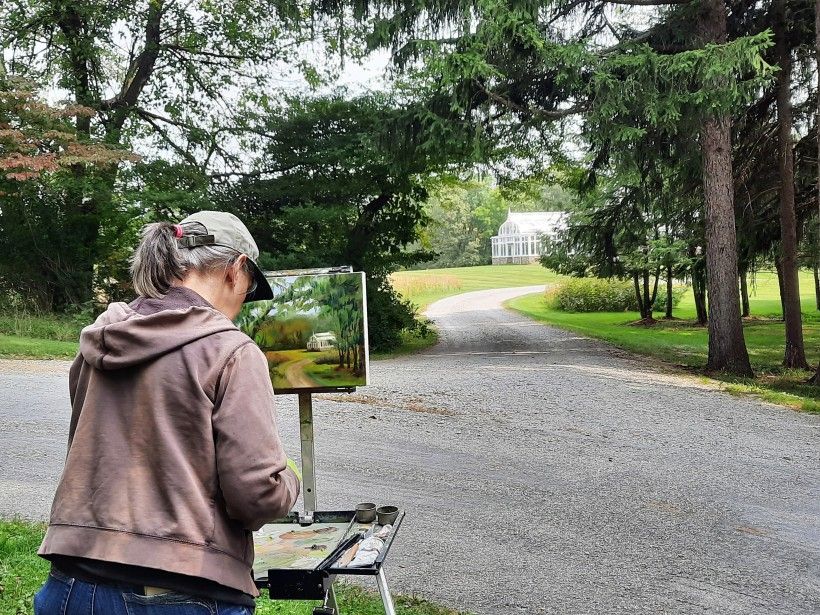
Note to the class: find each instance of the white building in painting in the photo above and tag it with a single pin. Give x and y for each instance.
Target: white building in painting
(321, 341)
(519, 238)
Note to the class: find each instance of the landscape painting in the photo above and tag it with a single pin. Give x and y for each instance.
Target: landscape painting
(313, 332)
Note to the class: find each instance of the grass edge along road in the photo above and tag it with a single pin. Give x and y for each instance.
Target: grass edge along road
(22, 573)
(426, 286)
(682, 346)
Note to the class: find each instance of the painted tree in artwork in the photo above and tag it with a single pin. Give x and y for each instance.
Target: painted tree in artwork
(339, 299)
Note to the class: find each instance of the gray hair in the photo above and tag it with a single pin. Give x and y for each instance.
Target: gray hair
(158, 261)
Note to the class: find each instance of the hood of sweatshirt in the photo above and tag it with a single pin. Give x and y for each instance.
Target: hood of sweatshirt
(121, 337)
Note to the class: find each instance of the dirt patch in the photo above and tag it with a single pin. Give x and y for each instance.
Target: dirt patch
(412, 404)
(53, 367)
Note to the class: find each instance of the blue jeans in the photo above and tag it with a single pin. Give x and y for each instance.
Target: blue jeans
(63, 595)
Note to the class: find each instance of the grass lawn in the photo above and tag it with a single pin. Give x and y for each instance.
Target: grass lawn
(330, 375)
(22, 573)
(682, 343)
(41, 337)
(19, 347)
(426, 286)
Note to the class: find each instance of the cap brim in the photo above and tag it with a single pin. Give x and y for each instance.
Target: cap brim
(263, 290)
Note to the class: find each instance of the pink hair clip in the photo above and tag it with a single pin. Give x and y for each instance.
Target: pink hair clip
(178, 231)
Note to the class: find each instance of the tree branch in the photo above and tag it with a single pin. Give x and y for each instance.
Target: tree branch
(202, 52)
(189, 158)
(506, 102)
(648, 2)
(140, 70)
(255, 173)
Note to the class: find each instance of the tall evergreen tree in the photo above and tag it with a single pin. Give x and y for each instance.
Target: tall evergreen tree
(534, 65)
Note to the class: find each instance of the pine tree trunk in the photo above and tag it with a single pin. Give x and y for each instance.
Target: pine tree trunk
(744, 292)
(699, 292)
(655, 288)
(794, 355)
(727, 346)
(638, 294)
(779, 267)
(647, 300)
(669, 304)
(817, 285)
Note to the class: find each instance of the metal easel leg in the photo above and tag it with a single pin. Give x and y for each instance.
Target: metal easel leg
(387, 599)
(308, 474)
(331, 600)
(329, 606)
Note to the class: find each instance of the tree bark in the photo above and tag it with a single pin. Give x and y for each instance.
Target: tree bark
(727, 346)
(794, 355)
(817, 285)
(92, 192)
(779, 267)
(647, 300)
(744, 292)
(699, 292)
(669, 304)
(655, 287)
(638, 294)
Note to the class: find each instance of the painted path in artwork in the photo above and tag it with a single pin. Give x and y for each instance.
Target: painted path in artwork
(542, 472)
(295, 374)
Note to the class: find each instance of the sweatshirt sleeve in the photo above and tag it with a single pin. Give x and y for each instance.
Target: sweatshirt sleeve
(251, 462)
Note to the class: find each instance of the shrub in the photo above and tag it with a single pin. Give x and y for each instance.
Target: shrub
(593, 295)
(599, 295)
(389, 315)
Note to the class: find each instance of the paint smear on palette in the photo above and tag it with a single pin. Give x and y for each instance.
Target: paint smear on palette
(292, 547)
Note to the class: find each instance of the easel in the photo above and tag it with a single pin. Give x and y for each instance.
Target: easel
(317, 584)
(330, 606)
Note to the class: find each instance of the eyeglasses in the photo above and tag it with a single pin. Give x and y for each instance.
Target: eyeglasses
(253, 285)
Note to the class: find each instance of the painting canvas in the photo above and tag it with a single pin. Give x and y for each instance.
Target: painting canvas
(290, 546)
(313, 332)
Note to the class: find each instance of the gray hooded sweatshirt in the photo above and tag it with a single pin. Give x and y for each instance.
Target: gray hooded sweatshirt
(174, 453)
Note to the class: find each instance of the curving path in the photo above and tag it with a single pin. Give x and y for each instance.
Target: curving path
(542, 472)
(296, 376)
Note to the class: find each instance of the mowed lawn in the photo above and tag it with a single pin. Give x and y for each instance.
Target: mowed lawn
(427, 286)
(683, 343)
(22, 573)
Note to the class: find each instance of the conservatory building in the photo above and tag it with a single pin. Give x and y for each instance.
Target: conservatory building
(519, 238)
(321, 341)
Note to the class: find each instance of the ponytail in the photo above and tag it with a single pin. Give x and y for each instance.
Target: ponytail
(157, 261)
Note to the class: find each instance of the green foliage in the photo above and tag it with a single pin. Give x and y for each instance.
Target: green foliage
(341, 183)
(463, 216)
(157, 74)
(592, 295)
(47, 245)
(390, 317)
(639, 88)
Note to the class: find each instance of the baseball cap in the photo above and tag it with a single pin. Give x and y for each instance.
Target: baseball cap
(225, 229)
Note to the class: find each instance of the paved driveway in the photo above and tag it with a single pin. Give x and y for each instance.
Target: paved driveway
(543, 473)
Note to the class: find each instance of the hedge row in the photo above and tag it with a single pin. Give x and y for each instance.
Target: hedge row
(599, 295)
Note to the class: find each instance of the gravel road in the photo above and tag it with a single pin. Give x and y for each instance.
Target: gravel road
(542, 473)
